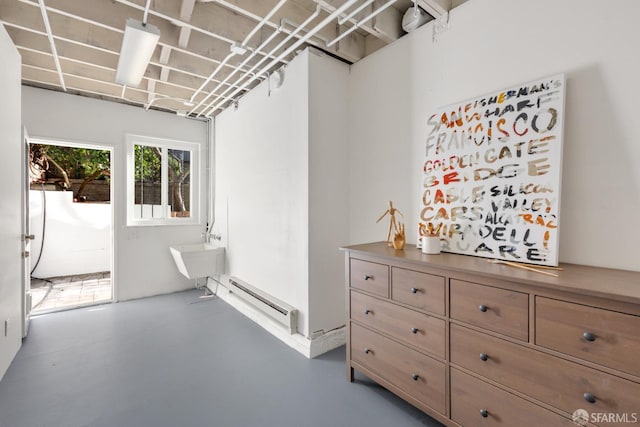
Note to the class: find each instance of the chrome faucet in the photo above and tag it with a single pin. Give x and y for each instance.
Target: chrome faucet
(207, 235)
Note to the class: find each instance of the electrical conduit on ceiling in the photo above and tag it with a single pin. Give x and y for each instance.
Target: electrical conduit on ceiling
(292, 48)
(247, 74)
(107, 27)
(255, 17)
(56, 59)
(362, 21)
(244, 43)
(211, 76)
(267, 41)
(263, 21)
(122, 94)
(354, 12)
(145, 15)
(179, 22)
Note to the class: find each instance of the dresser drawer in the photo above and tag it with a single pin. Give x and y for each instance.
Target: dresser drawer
(420, 290)
(558, 382)
(601, 336)
(369, 277)
(418, 375)
(418, 329)
(498, 310)
(475, 403)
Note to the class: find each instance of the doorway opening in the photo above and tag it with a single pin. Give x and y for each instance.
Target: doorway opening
(71, 221)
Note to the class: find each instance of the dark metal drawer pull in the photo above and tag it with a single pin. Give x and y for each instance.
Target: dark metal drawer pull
(367, 277)
(484, 413)
(367, 311)
(415, 377)
(589, 397)
(483, 308)
(367, 351)
(588, 336)
(484, 357)
(414, 330)
(414, 290)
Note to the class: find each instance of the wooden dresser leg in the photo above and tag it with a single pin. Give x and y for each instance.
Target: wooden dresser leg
(349, 374)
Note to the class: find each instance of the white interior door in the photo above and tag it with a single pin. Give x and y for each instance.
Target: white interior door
(26, 236)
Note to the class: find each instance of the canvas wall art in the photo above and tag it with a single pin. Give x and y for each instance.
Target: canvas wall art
(492, 173)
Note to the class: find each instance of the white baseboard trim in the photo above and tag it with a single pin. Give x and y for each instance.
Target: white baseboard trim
(310, 348)
(327, 342)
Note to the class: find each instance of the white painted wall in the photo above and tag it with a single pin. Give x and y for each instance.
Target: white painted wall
(516, 41)
(11, 205)
(281, 193)
(143, 264)
(379, 133)
(328, 190)
(261, 182)
(77, 235)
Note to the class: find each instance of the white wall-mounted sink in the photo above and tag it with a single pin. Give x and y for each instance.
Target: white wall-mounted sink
(198, 259)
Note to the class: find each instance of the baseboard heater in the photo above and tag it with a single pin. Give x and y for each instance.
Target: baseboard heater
(276, 309)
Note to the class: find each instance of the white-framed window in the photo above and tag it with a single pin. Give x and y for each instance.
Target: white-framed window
(162, 181)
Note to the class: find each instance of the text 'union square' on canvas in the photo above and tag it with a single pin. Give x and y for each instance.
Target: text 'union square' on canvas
(492, 173)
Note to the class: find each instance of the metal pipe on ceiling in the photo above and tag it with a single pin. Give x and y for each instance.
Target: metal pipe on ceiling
(244, 42)
(248, 14)
(211, 76)
(341, 14)
(291, 35)
(145, 92)
(362, 21)
(263, 21)
(179, 22)
(292, 48)
(284, 22)
(176, 21)
(101, 49)
(47, 26)
(256, 65)
(112, 95)
(66, 58)
(107, 27)
(329, 7)
(239, 68)
(145, 15)
(354, 12)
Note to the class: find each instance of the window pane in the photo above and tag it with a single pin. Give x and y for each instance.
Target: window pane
(179, 188)
(148, 185)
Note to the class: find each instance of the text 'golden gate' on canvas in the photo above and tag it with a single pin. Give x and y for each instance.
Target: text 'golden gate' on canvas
(492, 173)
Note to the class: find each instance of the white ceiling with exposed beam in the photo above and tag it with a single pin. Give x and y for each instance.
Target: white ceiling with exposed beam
(210, 52)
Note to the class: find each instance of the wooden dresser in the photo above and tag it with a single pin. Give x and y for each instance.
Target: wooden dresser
(479, 344)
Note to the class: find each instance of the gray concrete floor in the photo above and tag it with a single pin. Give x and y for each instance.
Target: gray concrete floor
(62, 293)
(181, 360)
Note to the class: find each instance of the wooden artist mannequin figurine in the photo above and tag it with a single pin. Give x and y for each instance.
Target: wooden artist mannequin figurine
(392, 220)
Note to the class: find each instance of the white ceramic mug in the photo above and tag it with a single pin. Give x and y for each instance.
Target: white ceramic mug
(431, 245)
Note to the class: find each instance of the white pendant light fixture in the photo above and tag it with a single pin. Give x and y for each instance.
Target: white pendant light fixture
(138, 44)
